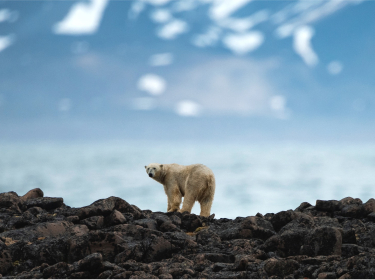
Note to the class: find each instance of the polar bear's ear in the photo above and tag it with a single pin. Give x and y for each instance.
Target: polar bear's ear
(161, 166)
(145, 166)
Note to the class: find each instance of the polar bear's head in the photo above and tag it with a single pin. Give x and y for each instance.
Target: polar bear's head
(153, 169)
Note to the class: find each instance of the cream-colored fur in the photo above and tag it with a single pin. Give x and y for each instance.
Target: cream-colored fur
(194, 182)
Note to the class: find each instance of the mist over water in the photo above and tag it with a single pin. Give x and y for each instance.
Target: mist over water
(249, 178)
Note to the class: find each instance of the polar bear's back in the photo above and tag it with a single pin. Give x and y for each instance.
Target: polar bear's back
(192, 170)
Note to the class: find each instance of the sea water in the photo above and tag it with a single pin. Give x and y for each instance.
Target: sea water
(250, 178)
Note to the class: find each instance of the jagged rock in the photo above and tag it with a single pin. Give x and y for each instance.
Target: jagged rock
(327, 275)
(11, 201)
(302, 221)
(350, 250)
(115, 218)
(93, 262)
(302, 206)
(207, 237)
(348, 201)
(104, 207)
(282, 218)
(327, 205)
(371, 217)
(289, 243)
(280, 268)
(190, 222)
(5, 259)
(147, 223)
(94, 222)
(41, 237)
(325, 241)
(46, 203)
(255, 227)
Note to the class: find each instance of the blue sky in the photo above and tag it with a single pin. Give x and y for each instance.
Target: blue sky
(298, 68)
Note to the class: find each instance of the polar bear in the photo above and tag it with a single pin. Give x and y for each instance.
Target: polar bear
(194, 182)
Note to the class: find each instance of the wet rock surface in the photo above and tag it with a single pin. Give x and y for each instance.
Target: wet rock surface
(41, 237)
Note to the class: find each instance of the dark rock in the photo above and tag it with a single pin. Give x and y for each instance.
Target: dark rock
(326, 222)
(350, 229)
(169, 227)
(327, 275)
(165, 276)
(302, 221)
(175, 220)
(90, 263)
(190, 222)
(352, 210)
(47, 203)
(326, 241)
(365, 237)
(371, 217)
(59, 270)
(147, 223)
(346, 276)
(113, 239)
(207, 237)
(100, 207)
(217, 257)
(255, 227)
(327, 205)
(160, 218)
(5, 259)
(73, 219)
(241, 262)
(350, 250)
(104, 207)
(289, 243)
(369, 207)
(157, 248)
(282, 218)
(302, 206)
(349, 201)
(280, 268)
(80, 275)
(115, 218)
(123, 275)
(35, 211)
(94, 222)
(105, 274)
(11, 201)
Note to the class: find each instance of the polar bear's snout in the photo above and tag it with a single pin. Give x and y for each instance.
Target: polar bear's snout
(151, 171)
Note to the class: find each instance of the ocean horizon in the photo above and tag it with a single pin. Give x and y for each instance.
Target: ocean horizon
(250, 178)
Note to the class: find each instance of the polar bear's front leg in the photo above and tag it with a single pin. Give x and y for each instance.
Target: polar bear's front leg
(174, 199)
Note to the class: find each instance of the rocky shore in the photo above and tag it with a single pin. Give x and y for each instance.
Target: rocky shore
(41, 237)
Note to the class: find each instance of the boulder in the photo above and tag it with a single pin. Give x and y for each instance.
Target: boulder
(327, 205)
(47, 203)
(282, 218)
(280, 268)
(325, 241)
(34, 193)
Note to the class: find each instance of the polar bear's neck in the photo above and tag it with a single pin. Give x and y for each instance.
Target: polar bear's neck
(161, 177)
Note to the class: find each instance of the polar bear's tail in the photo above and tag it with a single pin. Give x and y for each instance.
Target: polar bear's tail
(208, 197)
